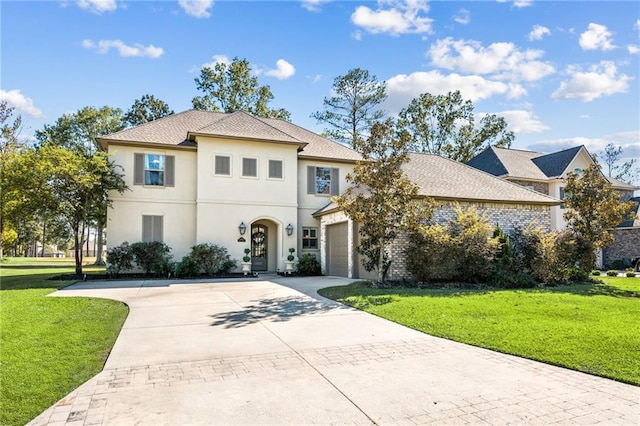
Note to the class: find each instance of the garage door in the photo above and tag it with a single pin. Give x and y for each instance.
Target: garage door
(337, 253)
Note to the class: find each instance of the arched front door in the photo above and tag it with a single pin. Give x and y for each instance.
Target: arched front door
(259, 253)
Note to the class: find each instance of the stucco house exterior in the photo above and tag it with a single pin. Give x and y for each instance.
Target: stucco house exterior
(241, 181)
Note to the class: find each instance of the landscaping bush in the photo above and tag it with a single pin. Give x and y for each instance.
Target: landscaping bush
(596, 273)
(308, 264)
(120, 258)
(213, 259)
(187, 267)
(612, 273)
(152, 257)
(630, 273)
(617, 264)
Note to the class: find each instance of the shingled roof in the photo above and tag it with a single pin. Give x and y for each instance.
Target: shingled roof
(512, 163)
(182, 128)
(554, 164)
(445, 179)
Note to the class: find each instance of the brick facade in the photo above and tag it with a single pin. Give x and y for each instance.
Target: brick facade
(625, 247)
(541, 187)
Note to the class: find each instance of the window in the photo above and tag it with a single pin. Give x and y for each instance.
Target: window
(151, 228)
(154, 170)
(249, 167)
(275, 169)
(309, 238)
(562, 195)
(222, 165)
(323, 180)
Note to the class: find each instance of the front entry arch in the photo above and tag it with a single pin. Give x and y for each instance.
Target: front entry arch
(259, 247)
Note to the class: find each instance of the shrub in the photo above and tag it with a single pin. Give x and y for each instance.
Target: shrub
(211, 258)
(188, 267)
(291, 257)
(308, 264)
(246, 257)
(120, 258)
(596, 273)
(152, 257)
(617, 264)
(630, 273)
(507, 279)
(612, 273)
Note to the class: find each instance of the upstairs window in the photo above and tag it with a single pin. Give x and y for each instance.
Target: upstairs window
(222, 165)
(249, 167)
(154, 170)
(323, 180)
(275, 169)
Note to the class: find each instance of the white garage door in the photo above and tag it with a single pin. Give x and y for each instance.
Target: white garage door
(337, 253)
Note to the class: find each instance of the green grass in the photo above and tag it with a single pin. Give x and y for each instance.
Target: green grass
(591, 328)
(48, 346)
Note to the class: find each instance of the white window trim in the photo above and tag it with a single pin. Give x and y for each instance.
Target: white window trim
(281, 160)
(317, 238)
(315, 181)
(242, 175)
(144, 170)
(219, 154)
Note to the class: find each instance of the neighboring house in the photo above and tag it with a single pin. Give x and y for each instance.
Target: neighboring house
(626, 245)
(247, 182)
(545, 173)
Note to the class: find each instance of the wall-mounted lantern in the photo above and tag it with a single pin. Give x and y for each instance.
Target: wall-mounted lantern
(289, 229)
(242, 228)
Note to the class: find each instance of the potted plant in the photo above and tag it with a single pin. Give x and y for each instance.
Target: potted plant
(246, 262)
(289, 262)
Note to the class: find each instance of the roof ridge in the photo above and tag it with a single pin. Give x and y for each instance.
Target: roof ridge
(148, 123)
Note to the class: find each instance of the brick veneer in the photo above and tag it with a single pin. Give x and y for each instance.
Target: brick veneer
(541, 187)
(625, 246)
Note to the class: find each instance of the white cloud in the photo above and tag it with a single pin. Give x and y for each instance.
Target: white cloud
(629, 141)
(197, 8)
(314, 78)
(394, 17)
(585, 116)
(357, 35)
(637, 25)
(126, 51)
(596, 37)
(518, 3)
(98, 6)
(462, 17)
(283, 70)
(403, 88)
(217, 59)
(634, 49)
(521, 121)
(600, 80)
(538, 32)
(503, 60)
(20, 102)
(313, 5)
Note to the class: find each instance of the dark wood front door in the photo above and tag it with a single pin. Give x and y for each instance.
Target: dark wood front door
(258, 248)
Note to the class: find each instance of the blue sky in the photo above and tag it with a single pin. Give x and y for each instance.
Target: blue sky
(562, 73)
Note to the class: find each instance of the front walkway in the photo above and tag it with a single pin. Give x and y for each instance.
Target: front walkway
(273, 352)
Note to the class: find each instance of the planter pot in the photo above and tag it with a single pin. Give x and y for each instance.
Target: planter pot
(246, 268)
(288, 267)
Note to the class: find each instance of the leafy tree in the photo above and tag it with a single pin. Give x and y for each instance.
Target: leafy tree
(350, 112)
(9, 131)
(145, 109)
(78, 184)
(229, 88)
(79, 132)
(593, 206)
(612, 157)
(382, 199)
(445, 125)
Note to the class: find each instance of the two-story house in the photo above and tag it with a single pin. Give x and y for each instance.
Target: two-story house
(245, 182)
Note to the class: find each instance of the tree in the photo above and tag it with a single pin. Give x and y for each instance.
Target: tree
(382, 199)
(79, 132)
(9, 145)
(78, 184)
(593, 206)
(445, 125)
(145, 109)
(351, 110)
(611, 157)
(229, 88)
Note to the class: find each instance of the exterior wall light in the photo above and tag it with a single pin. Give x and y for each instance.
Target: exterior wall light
(242, 228)
(289, 229)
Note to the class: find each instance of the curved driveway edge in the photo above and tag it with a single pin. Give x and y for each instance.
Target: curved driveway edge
(274, 352)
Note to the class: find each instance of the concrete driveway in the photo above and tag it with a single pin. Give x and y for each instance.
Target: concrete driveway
(274, 352)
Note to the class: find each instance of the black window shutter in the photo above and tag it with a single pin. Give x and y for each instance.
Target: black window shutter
(138, 169)
(170, 171)
(335, 181)
(311, 180)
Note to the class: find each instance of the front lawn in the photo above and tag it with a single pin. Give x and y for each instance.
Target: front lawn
(48, 346)
(590, 328)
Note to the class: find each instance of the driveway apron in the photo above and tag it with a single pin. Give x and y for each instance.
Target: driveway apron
(271, 351)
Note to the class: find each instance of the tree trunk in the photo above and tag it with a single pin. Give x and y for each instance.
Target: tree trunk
(381, 265)
(100, 238)
(44, 236)
(88, 238)
(78, 252)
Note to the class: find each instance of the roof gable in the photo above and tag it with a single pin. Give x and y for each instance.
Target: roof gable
(488, 162)
(555, 164)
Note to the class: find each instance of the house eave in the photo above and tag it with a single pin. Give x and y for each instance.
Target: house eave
(193, 136)
(105, 143)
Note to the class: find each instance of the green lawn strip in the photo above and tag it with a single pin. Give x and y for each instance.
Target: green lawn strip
(48, 345)
(580, 327)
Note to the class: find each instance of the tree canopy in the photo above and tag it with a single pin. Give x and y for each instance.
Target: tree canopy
(626, 171)
(382, 199)
(229, 88)
(145, 109)
(445, 125)
(352, 109)
(593, 207)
